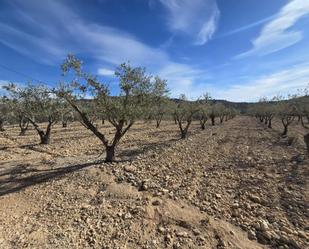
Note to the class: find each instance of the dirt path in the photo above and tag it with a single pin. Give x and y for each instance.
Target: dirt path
(229, 186)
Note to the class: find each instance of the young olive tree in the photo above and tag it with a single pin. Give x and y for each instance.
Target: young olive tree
(204, 110)
(10, 111)
(4, 111)
(23, 122)
(37, 105)
(65, 113)
(222, 111)
(302, 105)
(184, 112)
(159, 98)
(230, 113)
(265, 111)
(136, 89)
(214, 112)
(285, 110)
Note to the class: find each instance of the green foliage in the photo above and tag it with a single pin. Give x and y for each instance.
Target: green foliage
(184, 112)
(5, 111)
(133, 102)
(36, 102)
(137, 93)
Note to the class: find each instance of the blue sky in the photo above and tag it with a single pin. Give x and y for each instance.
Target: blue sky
(236, 50)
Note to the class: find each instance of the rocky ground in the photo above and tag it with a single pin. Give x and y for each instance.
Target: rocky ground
(236, 185)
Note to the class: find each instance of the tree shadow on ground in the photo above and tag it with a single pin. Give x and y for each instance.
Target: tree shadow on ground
(293, 196)
(21, 177)
(32, 146)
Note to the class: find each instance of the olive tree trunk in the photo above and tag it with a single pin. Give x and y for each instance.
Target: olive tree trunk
(2, 125)
(44, 135)
(213, 120)
(184, 130)
(306, 140)
(110, 154)
(286, 121)
(306, 136)
(158, 120)
(23, 125)
(221, 119)
(270, 123)
(203, 123)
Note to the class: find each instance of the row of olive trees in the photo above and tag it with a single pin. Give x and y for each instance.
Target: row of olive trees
(83, 97)
(294, 109)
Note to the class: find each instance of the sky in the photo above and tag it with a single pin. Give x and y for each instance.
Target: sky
(235, 50)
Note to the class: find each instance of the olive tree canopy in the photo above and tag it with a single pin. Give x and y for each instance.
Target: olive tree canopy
(136, 91)
(37, 104)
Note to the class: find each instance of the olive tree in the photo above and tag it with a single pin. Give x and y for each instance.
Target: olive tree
(302, 105)
(204, 110)
(184, 112)
(222, 111)
(65, 113)
(215, 110)
(265, 111)
(122, 111)
(285, 110)
(160, 104)
(4, 111)
(37, 105)
(230, 113)
(11, 111)
(19, 115)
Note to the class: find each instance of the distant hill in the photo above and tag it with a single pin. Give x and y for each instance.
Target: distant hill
(242, 107)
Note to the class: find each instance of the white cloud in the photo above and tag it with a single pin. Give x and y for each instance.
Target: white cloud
(276, 34)
(31, 45)
(247, 26)
(194, 17)
(183, 79)
(53, 30)
(105, 72)
(2, 84)
(282, 82)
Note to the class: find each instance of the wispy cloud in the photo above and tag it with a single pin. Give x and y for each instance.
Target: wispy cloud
(106, 72)
(277, 34)
(58, 30)
(194, 17)
(183, 79)
(281, 82)
(247, 27)
(53, 30)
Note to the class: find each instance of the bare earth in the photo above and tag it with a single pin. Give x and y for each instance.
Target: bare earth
(236, 185)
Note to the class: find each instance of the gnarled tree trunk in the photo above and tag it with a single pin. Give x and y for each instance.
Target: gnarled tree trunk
(184, 130)
(306, 140)
(286, 121)
(23, 125)
(158, 120)
(270, 123)
(213, 121)
(110, 154)
(285, 130)
(221, 119)
(2, 125)
(203, 123)
(45, 136)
